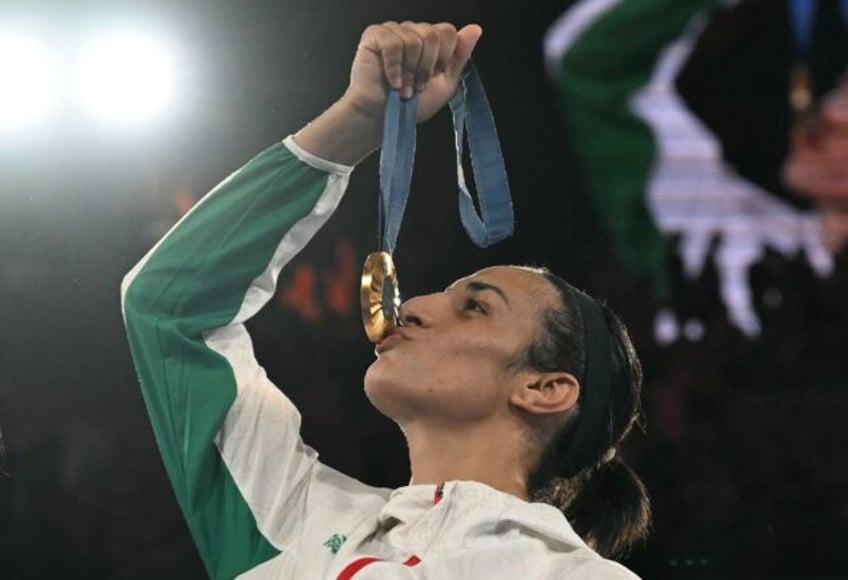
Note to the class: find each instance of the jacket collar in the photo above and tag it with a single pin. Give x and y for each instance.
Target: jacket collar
(470, 511)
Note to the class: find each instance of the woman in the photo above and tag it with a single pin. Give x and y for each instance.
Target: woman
(510, 386)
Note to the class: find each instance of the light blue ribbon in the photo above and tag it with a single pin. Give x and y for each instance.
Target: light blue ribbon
(472, 115)
(471, 112)
(396, 161)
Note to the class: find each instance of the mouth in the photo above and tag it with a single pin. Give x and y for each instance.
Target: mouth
(396, 336)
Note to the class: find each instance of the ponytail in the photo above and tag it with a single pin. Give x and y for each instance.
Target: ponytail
(607, 506)
(604, 500)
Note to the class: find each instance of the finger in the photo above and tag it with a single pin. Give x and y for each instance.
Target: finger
(389, 47)
(412, 48)
(447, 45)
(467, 39)
(429, 53)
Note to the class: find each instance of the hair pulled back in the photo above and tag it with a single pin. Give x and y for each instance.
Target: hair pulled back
(604, 500)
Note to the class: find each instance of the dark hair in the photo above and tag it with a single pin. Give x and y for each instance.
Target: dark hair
(604, 500)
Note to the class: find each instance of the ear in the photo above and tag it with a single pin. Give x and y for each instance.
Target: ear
(547, 393)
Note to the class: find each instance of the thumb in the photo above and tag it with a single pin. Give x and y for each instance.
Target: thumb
(466, 40)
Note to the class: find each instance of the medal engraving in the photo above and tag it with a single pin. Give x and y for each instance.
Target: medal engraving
(379, 296)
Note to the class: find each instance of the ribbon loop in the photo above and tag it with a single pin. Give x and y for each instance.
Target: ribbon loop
(472, 112)
(472, 115)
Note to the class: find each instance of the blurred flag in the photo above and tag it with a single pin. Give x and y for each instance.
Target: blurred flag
(650, 166)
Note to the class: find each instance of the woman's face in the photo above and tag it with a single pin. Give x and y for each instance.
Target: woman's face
(458, 356)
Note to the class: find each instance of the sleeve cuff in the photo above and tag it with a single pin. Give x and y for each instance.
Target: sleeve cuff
(314, 160)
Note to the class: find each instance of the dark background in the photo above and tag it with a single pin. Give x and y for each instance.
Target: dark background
(744, 449)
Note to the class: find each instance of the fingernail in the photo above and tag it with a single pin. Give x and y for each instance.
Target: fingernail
(406, 93)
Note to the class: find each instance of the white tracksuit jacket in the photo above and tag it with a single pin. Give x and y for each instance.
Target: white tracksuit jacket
(258, 502)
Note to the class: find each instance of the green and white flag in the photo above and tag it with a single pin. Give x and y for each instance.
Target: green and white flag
(650, 166)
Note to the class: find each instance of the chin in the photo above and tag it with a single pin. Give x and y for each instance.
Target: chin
(375, 372)
(375, 378)
(382, 390)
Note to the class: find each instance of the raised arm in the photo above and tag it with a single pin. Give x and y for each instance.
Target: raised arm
(229, 439)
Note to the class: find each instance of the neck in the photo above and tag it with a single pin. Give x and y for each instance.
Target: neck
(471, 453)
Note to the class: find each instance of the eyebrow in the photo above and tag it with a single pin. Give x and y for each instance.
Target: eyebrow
(480, 286)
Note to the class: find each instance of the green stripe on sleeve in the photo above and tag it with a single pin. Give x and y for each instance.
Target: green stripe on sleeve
(195, 281)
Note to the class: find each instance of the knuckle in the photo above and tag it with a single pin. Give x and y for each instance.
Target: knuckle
(430, 36)
(415, 43)
(374, 30)
(446, 28)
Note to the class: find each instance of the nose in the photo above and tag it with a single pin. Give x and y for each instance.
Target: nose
(408, 313)
(422, 310)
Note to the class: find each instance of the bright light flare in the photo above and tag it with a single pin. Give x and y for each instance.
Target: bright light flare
(125, 78)
(27, 81)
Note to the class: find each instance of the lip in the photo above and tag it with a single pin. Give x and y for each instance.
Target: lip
(396, 336)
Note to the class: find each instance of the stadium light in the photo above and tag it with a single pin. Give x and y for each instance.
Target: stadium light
(125, 78)
(27, 81)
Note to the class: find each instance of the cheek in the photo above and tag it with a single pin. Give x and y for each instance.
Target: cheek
(485, 355)
(469, 376)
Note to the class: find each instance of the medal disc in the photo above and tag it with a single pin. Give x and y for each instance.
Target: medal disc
(379, 296)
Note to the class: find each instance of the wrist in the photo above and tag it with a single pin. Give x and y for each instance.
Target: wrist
(345, 133)
(368, 121)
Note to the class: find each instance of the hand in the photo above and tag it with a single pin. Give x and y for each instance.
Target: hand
(427, 58)
(410, 57)
(818, 166)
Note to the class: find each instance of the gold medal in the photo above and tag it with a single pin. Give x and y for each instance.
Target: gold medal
(379, 296)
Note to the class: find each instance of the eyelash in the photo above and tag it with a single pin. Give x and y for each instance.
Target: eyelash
(475, 305)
